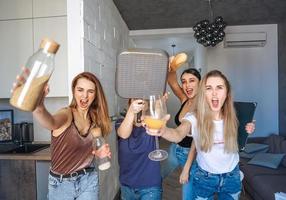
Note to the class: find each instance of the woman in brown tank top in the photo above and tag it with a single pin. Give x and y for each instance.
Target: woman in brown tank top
(72, 175)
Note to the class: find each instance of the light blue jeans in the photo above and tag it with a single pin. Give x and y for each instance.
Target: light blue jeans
(227, 185)
(151, 193)
(177, 157)
(81, 187)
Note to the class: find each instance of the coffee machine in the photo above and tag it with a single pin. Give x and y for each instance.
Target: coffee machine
(23, 133)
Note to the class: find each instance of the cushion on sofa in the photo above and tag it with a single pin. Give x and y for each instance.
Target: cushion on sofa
(266, 185)
(243, 154)
(283, 148)
(277, 144)
(255, 147)
(267, 160)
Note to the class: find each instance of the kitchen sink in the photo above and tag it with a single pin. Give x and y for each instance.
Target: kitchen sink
(28, 148)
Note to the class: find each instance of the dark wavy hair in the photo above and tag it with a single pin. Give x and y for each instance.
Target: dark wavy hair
(192, 71)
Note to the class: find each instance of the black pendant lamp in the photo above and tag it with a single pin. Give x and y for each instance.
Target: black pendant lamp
(210, 33)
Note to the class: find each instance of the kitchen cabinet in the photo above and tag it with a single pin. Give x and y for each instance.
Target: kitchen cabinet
(56, 28)
(15, 9)
(24, 176)
(44, 8)
(16, 39)
(24, 179)
(17, 180)
(22, 26)
(42, 177)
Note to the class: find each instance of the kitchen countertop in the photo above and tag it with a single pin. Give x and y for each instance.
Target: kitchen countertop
(44, 154)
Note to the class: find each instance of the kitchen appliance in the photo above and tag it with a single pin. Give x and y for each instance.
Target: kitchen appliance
(23, 132)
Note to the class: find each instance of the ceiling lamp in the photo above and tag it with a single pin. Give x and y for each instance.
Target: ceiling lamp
(210, 33)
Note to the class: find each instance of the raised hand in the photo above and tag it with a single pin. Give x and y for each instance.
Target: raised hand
(250, 127)
(21, 79)
(177, 61)
(136, 106)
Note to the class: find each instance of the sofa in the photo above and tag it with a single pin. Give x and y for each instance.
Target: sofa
(261, 182)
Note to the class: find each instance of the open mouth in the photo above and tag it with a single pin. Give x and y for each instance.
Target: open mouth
(215, 103)
(189, 92)
(83, 103)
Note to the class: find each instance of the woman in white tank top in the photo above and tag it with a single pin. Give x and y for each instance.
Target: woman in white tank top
(213, 124)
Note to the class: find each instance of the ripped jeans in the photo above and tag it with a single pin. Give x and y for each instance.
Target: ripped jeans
(227, 186)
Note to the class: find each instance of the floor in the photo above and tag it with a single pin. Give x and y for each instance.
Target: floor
(172, 187)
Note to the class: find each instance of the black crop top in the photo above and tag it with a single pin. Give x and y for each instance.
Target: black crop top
(186, 141)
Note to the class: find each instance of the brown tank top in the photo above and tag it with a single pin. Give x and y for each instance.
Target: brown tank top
(70, 151)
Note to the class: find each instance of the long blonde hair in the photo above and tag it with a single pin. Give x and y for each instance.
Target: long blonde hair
(98, 110)
(205, 120)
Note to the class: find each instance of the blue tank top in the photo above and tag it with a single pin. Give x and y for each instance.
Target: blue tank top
(136, 169)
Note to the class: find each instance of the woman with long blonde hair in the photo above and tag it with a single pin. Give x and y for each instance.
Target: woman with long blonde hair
(213, 125)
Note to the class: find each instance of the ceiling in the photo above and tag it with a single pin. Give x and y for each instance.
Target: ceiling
(161, 14)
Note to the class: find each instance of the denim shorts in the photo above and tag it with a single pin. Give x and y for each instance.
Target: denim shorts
(81, 187)
(227, 186)
(150, 193)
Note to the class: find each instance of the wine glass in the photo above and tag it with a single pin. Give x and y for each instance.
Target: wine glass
(154, 119)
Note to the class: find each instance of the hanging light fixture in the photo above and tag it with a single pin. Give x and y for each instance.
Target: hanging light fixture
(210, 33)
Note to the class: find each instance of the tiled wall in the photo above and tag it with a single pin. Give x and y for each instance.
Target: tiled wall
(105, 33)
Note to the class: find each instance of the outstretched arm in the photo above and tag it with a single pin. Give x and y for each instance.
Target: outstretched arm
(46, 119)
(170, 134)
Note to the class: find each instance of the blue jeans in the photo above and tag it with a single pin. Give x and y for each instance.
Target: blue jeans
(177, 157)
(81, 187)
(151, 193)
(227, 185)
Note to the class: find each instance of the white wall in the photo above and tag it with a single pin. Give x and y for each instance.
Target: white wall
(253, 73)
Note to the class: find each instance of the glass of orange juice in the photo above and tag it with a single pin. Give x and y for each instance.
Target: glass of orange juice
(154, 119)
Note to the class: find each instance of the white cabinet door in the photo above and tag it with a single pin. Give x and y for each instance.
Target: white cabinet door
(15, 9)
(50, 8)
(55, 28)
(16, 46)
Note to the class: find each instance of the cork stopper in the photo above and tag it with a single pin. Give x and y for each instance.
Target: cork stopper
(49, 45)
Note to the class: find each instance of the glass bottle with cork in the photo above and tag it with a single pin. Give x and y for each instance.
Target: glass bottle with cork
(40, 66)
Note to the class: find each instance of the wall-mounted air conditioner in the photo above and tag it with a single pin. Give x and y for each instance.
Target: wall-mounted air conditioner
(257, 39)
